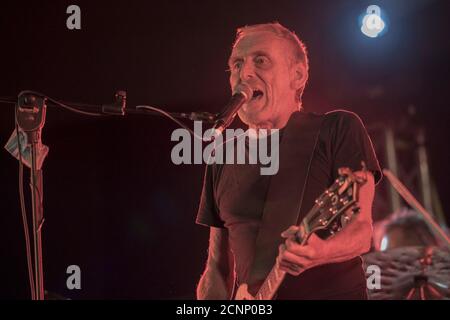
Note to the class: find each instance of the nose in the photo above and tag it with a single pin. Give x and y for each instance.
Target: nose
(247, 70)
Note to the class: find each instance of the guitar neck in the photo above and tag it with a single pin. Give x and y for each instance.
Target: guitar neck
(271, 284)
(276, 275)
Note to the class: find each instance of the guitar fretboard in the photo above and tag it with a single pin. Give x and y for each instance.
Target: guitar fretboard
(271, 284)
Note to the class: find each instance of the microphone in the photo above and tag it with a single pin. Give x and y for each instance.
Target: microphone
(242, 94)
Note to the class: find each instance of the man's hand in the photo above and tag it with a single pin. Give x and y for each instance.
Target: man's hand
(295, 258)
(350, 242)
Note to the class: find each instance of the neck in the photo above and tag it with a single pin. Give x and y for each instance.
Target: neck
(275, 123)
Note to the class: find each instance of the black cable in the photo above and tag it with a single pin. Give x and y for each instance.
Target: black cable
(62, 104)
(24, 217)
(181, 124)
(40, 198)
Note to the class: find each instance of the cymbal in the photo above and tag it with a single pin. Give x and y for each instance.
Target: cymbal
(412, 273)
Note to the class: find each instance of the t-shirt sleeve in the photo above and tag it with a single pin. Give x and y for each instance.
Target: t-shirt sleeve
(208, 214)
(351, 144)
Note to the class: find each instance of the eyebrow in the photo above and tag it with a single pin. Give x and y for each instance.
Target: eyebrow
(254, 53)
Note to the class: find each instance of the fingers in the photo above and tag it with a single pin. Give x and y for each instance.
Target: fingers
(294, 257)
(291, 268)
(293, 246)
(292, 263)
(290, 257)
(290, 232)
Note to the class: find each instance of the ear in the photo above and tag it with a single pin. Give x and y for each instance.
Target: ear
(299, 76)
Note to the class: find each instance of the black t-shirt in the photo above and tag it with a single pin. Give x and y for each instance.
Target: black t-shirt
(233, 197)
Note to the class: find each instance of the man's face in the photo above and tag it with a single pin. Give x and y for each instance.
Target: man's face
(264, 61)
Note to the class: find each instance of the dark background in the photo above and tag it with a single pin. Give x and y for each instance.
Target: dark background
(114, 203)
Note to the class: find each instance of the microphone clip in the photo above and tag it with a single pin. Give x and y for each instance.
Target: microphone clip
(119, 105)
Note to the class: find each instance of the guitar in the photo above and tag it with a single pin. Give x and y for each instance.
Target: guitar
(332, 211)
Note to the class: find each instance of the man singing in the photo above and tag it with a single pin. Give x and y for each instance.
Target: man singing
(273, 62)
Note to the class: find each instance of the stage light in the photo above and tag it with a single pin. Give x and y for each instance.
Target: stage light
(372, 23)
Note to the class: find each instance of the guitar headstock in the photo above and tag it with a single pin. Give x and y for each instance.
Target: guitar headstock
(334, 208)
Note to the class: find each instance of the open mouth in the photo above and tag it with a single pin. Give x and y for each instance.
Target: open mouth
(257, 94)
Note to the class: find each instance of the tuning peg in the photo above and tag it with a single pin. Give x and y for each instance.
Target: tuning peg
(356, 210)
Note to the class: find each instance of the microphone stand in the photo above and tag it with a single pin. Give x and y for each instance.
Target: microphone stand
(30, 112)
(30, 117)
(118, 107)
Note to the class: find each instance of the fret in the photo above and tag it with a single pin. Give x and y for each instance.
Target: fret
(266, 290)
(261, 294)
(276, 273)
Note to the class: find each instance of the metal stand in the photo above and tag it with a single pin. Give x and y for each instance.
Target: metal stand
(403, 145)
(30, 117)
(31, 109)
(409, 198)
(38, 220)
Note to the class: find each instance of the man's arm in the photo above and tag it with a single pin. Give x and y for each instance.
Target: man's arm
(350, 242)
(217, 281)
